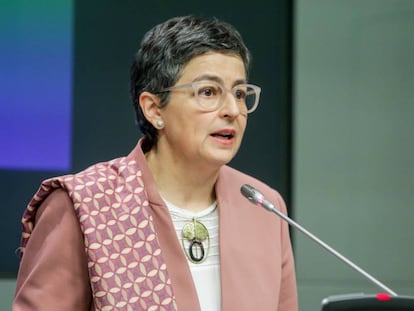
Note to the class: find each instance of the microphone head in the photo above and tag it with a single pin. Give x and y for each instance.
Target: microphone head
(252, 194)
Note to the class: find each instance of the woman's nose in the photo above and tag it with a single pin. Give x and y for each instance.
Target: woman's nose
(230, 106)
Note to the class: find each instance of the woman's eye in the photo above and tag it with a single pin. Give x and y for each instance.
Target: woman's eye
(240, 94)
(207, 91)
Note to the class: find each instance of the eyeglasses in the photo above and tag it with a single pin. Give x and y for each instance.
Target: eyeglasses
(211, 94)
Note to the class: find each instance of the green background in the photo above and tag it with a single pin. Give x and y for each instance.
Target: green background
(354, 145)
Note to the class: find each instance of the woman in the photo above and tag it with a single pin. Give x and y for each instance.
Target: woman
(165, 228)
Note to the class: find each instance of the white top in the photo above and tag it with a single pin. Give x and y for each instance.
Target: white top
(206, 275)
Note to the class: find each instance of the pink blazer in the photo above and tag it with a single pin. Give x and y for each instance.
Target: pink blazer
(257, 266)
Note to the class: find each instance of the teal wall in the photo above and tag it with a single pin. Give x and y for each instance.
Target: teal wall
(354, 144)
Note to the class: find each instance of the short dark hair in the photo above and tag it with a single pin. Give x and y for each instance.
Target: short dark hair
(167, 48)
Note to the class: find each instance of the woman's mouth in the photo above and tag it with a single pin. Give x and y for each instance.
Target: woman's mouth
(225, 135)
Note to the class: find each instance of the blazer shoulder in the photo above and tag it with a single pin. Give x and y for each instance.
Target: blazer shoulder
(233, 179)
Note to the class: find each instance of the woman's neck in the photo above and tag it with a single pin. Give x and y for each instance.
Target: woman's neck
(186, 187)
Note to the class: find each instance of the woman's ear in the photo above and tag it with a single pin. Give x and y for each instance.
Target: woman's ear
(149, 106)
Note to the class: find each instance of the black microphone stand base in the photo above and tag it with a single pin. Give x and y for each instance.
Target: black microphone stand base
(368, 302)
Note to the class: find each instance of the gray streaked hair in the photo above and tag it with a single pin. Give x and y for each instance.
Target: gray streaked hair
(167, 48)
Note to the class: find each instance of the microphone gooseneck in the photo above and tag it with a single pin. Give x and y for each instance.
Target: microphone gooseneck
(257, 198)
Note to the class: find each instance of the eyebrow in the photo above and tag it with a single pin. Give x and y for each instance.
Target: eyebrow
(217, 79)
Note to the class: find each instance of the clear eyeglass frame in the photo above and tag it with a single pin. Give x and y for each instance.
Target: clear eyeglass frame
(210, 94)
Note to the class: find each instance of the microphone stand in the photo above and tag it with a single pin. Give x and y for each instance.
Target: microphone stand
(257, 198)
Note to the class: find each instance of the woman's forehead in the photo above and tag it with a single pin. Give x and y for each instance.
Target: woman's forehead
(215, 66)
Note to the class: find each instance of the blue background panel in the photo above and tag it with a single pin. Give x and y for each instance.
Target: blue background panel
(36, 84)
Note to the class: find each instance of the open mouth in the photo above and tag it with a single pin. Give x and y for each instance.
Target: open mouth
(224, 135)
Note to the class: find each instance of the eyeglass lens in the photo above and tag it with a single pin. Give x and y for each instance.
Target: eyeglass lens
(210, 94)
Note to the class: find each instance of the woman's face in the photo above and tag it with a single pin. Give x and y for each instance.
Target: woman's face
(192, 135)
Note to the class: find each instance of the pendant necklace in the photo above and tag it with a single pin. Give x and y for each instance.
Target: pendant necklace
(194, 235)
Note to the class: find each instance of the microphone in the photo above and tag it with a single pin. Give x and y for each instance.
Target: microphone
(257, 198)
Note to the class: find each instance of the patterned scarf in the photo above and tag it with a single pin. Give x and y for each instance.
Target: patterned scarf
(127, 270)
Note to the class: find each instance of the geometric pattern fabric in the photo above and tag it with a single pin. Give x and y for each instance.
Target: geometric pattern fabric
(126, 268)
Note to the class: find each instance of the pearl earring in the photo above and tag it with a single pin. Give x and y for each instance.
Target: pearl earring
(160, 124)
